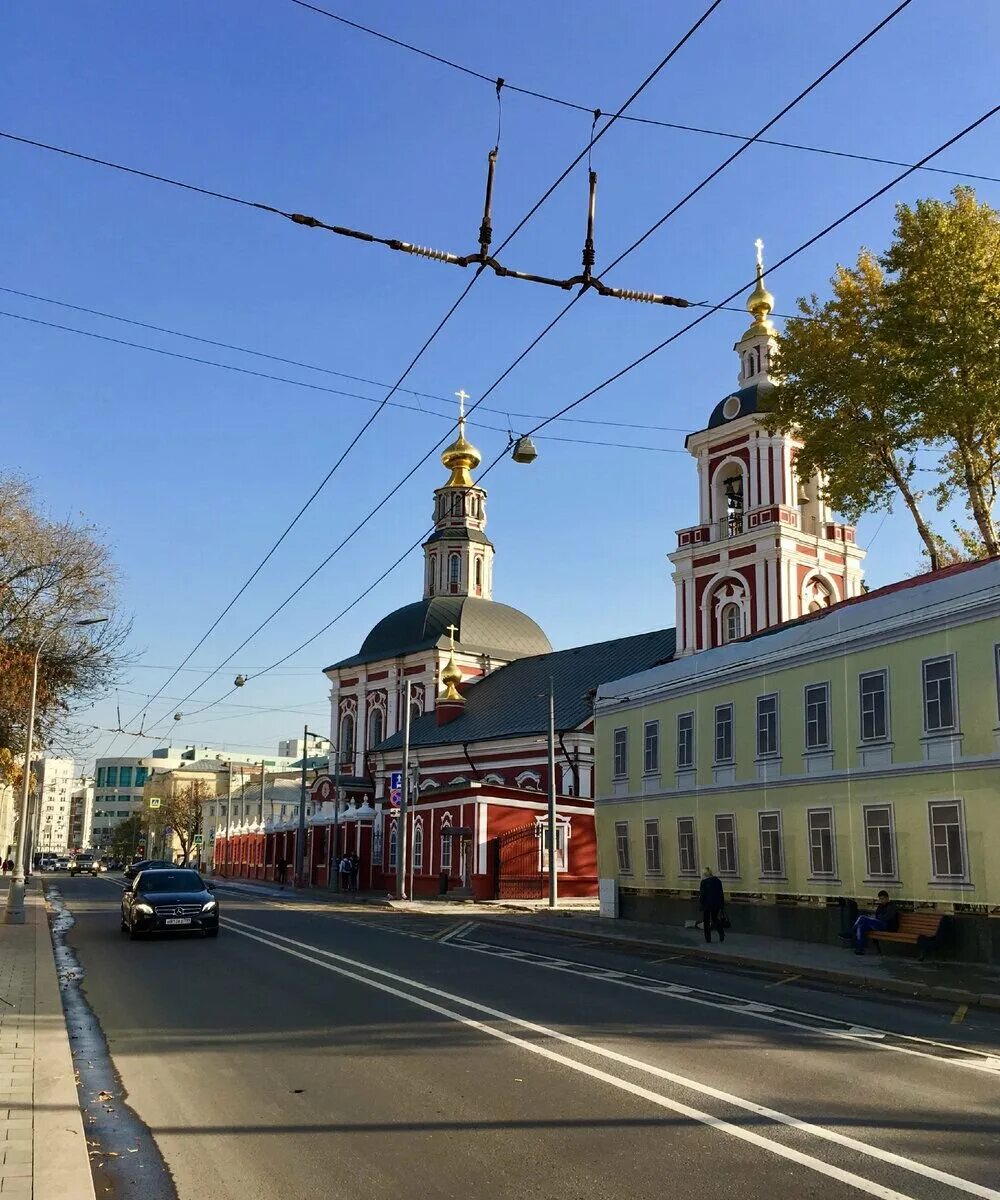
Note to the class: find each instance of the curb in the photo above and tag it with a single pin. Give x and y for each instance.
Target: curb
(917, 991)
(61, 1165)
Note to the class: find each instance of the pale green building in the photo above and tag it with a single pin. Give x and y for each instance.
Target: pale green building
(813, 763)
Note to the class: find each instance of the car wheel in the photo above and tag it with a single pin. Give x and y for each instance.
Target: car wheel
(212, 932)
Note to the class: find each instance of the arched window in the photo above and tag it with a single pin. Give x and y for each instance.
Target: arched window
(479, 576)
(446, 844)
(418, 845)
(431, 570)
(732, 623)
(454, 573)
(347, 736)
(457, 504)
(376, 727)
(393, 842)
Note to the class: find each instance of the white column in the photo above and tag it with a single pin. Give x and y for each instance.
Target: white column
(704, 492)
(759, 568)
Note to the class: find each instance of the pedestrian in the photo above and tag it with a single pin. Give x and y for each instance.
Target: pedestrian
(884, 918)
(8, 866)
(355, 872)
(345, 873)
(280, 869)
(712, 901)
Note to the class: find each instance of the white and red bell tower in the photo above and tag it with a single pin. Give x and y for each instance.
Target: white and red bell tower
(766, 548)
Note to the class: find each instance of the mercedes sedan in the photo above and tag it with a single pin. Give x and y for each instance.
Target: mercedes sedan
(171, 901)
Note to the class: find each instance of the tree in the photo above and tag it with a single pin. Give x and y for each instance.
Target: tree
(905, 354)
(181, 811)
(52, 573)
(127, 836)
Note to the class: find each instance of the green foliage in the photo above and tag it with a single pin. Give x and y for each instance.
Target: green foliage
(127, 836)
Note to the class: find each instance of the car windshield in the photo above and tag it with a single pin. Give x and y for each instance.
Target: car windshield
(170, 881)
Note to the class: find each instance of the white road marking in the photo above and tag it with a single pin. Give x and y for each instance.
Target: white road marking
(456, 931)
(295, 948)
(976, 1060)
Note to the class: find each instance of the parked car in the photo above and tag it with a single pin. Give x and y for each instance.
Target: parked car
(62, 862)
(47, 862)
(169, 901)
(84, 862)
(146, 864)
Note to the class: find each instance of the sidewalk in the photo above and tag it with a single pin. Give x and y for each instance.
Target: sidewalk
(44, 1150)
(952, 982)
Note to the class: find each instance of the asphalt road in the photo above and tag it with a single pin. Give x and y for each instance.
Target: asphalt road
(323, 1052)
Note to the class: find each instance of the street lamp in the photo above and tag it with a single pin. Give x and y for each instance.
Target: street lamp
(14, 913)
(300, 837)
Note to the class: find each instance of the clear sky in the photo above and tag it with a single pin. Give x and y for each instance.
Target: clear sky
(193, 470)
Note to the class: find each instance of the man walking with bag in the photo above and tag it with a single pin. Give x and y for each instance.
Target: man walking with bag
(712, 901)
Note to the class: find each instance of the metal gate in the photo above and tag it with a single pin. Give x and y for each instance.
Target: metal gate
(517, 859)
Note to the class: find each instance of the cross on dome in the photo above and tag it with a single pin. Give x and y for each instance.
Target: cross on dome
(759, 243)
(451, 630)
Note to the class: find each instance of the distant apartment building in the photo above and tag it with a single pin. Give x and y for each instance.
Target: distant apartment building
(298, 748)
(81, 813)
(53, 791)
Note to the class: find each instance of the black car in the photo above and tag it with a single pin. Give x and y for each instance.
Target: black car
(146, 864)
(170, 901)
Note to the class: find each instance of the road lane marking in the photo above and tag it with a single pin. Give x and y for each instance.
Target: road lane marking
(976, 1060)
(958, 1016)
(779, 982)
(453, 931)
(329, 959)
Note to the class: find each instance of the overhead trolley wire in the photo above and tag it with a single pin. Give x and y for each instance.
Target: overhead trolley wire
(785, 109)
(520, 225)
(632, 117)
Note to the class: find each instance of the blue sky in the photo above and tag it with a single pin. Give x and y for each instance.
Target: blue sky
(193, 470)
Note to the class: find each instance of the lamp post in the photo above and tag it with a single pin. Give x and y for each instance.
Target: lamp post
(553, 876)
(14, 914)
(300, 837)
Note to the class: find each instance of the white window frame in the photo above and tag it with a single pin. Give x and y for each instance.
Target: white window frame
(689, 764)
(953, 679)
(690, 872)
(727, 873)
(651, 841)
(958, 803)
(810, 813)
(623, 843)
(620, 752)
(876, 738)
(805, 717)
(880, 876)
(418, 845)
(653, 726)
(777, 872)
(716, 759)
(562, 844)
(776, 751)
(446, 845)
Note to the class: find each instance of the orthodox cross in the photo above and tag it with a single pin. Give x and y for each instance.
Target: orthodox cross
(462, 395)
(759, 243)
(452, 630)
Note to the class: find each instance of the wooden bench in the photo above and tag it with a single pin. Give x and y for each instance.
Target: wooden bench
(923, 930)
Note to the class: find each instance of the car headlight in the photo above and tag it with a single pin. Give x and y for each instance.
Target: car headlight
(145, 909)
(210, 906)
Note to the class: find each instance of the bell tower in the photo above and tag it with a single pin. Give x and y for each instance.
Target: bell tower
(767, 548)
(458, 556)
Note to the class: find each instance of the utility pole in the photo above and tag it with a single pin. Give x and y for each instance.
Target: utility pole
(402, 840)
(553, 877)
(300, 837)
(229, 815)
(335, 848)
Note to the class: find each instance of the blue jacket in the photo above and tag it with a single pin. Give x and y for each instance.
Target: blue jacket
(710, 895)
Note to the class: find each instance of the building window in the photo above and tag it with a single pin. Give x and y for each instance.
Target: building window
(817, 705)
(767, 725)
(651, 747)
(725, 844)
(141, 774)
(621, 754)
(880, 839)
(479, 576)
(99, 782)
(822, 856)
(454, 573)
(542, 833)
(873, 688)
(431, 570)
(947, 841)
(723, 733)
(771, 858)
(418, 846)
(346, 736)
(393, 843)
(125, 777)
(654, 864)
(732, 623)
(939, 694)
(376, 727)
(623, 847)
(446, 848)
(112, 777)
(685, 740)
(687, 846)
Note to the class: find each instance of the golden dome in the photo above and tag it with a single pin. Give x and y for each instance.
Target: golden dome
(451, 677)
(461, 456)
(760, 301)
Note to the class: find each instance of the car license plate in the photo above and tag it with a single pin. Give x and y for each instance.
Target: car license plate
(178, 921)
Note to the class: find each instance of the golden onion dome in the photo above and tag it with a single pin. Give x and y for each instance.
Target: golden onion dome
(460, 458)
(451, 677)
(760, 301)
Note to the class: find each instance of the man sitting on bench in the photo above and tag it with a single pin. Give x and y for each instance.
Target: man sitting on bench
(885, 919)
